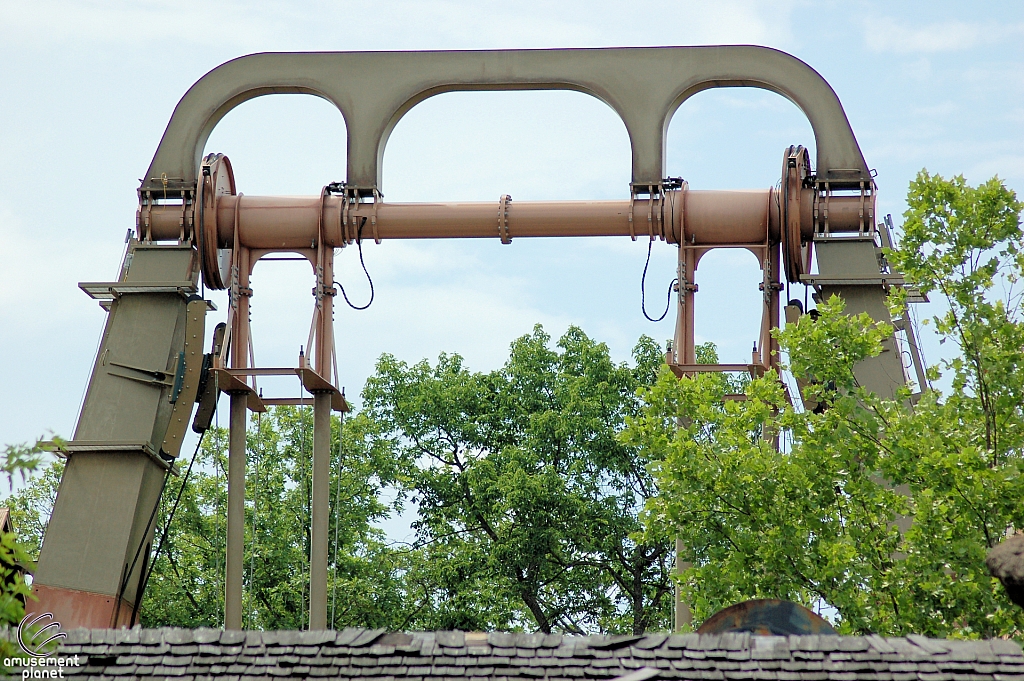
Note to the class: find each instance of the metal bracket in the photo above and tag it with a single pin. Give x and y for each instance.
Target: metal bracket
(143, 215)
(110, 290)
(352, 195)
(377, 196)
(156, 377)
(823, 193)
(186, 221)
(190, 368)
(115, 446)
(654, 193)
(179, 378)
(655, 205)
(155, 382)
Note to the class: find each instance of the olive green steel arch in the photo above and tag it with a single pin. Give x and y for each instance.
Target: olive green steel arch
(373, 90)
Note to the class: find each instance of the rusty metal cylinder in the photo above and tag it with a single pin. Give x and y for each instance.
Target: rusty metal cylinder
(729, 217)
(483, 220)
(289, 222)
(708, 217)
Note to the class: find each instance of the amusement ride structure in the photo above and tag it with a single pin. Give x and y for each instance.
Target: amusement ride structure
(153, 368)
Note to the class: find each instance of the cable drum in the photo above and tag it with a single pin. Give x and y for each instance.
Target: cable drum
(795, 172)
(217, 179)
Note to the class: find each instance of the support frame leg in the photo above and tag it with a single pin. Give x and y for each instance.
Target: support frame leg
(320, 511)
(235, 554)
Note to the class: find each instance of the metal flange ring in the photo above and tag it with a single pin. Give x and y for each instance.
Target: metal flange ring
(216, 179)
(795, 170)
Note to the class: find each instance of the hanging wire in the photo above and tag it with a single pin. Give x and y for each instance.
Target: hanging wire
(359, 245)
(643, 292)
(138, 552)
(170, 517)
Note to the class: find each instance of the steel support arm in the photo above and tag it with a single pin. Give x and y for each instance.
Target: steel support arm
(373, 90)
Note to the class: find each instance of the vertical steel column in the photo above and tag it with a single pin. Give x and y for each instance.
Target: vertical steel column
(325, 326)
(321, 446)
(235, 558)
(236, 514)
(774, 311)
(321, 510)
(768, 345)
(685, 353)
(684, 344)
(241, 293)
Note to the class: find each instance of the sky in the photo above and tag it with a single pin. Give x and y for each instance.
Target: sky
(86, 90)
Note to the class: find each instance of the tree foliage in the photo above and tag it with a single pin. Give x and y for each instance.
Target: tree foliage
(527, 500)
(30, 507)
(966, 244)
(815, 522)
(16, 462)
(526, 504)
(187, 584)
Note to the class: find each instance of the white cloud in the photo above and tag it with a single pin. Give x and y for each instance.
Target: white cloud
(59, 23)
(397, 24)
(754, 23)
(1009, 166)
(885, 34)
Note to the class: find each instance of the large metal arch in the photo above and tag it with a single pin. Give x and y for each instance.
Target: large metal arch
(373, 90)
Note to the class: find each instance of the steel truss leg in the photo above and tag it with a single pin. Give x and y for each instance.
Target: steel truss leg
(236, 515)
(321, 511)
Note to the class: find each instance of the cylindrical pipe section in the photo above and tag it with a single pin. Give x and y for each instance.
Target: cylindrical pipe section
(481, 220)
(320, 511)
(728, 217)
(235, 560)
(274, 222)
(713, 218)
(704, 217)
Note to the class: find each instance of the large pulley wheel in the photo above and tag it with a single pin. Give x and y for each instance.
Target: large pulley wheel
(216, 180)
(796, 169)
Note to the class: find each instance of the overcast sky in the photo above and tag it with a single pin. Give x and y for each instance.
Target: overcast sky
(86, 89)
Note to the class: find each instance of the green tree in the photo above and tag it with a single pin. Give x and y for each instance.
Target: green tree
(544, 470)
(16, 461)
(186, 587)
(814, 522)
(30, 507)
(966, 244)
(527, 500)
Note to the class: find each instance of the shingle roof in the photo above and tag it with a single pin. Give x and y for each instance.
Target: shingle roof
(456, 656)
